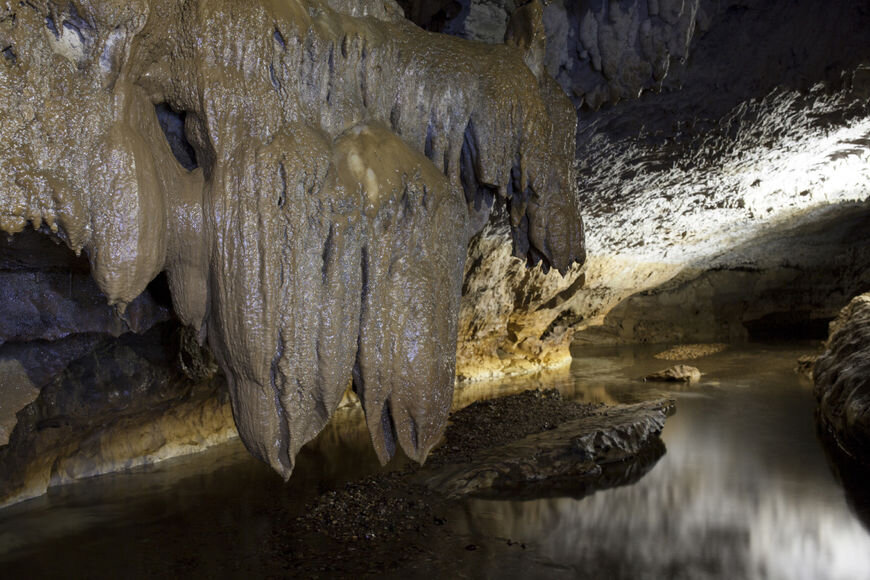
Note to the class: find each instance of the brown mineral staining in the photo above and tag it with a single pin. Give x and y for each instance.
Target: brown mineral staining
(337, 161)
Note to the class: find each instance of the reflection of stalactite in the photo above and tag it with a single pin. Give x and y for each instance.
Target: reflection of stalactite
(304, 177)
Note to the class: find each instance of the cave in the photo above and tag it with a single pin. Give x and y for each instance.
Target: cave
(454, 288)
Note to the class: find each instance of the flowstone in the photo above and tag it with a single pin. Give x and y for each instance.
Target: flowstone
(308, 175)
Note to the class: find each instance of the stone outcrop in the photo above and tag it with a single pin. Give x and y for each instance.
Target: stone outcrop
(307, 176)
(842, 379)
(732, 204)
(119, 404)
(576, 450)
(676, 374)
(512, 319)
(754, 228)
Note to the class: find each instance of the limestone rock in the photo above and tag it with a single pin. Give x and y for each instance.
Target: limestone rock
(512, 319)
(691, 351)
(599, 52)
(726, 202)
(576, 449)
(805, 365)
(676, 374)
(306, 174)
(842, 379)
(47, 293)
(113, 404)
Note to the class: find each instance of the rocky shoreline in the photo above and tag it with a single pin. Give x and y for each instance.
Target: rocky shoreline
(842, 380)
(397, 523)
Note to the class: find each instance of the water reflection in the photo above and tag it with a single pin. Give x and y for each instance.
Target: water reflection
(217, 505)
(743, 491)
(852, 475)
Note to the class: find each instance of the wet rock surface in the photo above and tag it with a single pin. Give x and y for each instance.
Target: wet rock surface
(724, 183)
(726, 202)
(306, 175)
(842, 380)
(104, 405)
(576, 450)
(393, 524)
(691, 351)
(675, 374)
(600, 52)
(513, 320)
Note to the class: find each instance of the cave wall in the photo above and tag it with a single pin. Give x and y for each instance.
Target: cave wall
(842, 381)
(734, 199)
(721, 164)
(717, 142)
(598, 51)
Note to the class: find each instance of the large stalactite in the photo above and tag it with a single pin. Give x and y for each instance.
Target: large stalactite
(308, 175)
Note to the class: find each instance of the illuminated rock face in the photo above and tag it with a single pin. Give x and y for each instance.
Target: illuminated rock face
(722, 187)
(308, 175)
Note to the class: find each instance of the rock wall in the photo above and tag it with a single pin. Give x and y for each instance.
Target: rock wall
(842, 379)
(732, 203)
(512, 319)
(307, 176)
(599, 52)
(722, 167)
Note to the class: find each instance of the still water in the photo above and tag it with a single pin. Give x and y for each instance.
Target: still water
(744, 490)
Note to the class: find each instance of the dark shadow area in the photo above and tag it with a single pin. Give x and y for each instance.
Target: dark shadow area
(172, 123)
(612, 475)
(432, 15)
(788, 325)
(751, 48)
(850, 473)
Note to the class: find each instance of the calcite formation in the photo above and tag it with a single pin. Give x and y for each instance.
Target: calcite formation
(306, 173)
(600, 52)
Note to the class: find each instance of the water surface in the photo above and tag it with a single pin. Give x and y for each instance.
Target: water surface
(743, 491)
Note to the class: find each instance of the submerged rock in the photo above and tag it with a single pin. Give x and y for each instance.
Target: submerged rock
(676, 374)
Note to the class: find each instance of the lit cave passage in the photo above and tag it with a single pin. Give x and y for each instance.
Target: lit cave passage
(455, 288)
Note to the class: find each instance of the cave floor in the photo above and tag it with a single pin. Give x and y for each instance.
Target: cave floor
(744, 490)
